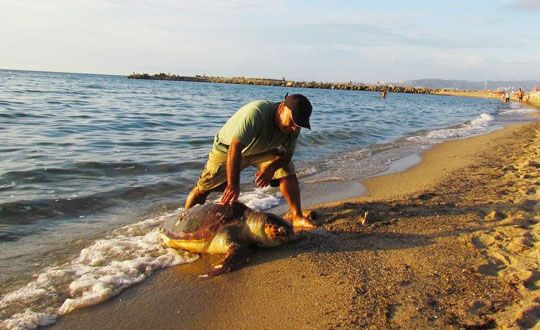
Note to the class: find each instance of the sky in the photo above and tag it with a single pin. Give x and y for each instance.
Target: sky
(337, 41)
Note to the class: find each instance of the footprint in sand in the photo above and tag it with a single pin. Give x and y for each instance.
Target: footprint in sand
(531, 191)
(491, 268)
(529, 204)
(534, 164)
(511, 240)
(530, 316)
(509, 168)
(477, 243)
(533, 282)
(495, 215)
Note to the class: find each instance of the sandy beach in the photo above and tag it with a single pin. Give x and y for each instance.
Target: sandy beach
(414, 129)
(451, 243)
(531, 97)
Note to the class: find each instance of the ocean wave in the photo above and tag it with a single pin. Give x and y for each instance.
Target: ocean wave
(31, 211)
(3, 102)
(310, 170)
(9, 149)
(100, 272)
(96, 170)
(18, 115)
(476, 126)
(516, 108)
(325, 179)
(94, 86)
(7, 186)
(318, 138)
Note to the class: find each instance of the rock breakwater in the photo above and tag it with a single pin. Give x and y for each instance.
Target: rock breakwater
(285, 83)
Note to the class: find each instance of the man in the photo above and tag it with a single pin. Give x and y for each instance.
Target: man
(261, 134)
(520, 95)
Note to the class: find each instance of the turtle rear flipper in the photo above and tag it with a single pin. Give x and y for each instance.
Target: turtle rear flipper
(237, 255)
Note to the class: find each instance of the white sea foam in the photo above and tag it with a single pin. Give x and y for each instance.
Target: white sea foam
(101, 271)
(307, 171)
(325, 179)
(6, 186)
(259, 199)
(517, 108)
(476, 126)
(28, 320)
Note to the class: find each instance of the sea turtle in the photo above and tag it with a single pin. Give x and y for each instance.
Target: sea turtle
(225, 229)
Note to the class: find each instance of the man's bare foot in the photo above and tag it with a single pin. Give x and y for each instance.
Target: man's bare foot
(311, 215)
(301, 222)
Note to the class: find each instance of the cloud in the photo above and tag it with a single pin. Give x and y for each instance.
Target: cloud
(357, 36)
(525, 5)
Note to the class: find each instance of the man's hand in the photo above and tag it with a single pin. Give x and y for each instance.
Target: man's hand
(230, 195)
(264, 176)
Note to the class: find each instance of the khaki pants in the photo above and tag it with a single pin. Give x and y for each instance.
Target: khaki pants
(214, 173)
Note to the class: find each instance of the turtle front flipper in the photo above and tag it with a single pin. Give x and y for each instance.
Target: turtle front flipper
(237, 255)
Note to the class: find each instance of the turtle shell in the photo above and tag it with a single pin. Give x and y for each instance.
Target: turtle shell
(203, 221)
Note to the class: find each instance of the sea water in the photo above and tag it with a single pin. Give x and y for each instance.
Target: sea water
(90, 165)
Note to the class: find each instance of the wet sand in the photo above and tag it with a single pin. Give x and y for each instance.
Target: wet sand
(452, 242)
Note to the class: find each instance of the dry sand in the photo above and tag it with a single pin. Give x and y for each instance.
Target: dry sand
(451, 243)
(533, 98)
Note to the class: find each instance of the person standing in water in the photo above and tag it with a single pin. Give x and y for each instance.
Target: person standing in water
(506, 97)
(520, 94)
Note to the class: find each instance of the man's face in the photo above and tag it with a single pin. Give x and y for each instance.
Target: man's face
(286, 123)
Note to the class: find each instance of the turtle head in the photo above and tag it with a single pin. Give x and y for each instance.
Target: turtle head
(276, 230)
(268, 229)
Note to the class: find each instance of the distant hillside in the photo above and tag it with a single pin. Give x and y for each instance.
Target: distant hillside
(467, 85)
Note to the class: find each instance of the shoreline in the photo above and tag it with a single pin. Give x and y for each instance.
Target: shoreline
(531, 98)
(429, 255)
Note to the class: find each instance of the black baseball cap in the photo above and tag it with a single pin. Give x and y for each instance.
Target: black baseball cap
(301, 109)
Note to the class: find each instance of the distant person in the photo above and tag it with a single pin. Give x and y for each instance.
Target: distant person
(384, 93)
(506, 97)
(261, 134)
(520, 94)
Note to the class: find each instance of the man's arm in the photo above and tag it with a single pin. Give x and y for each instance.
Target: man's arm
(234, 157)
(265, 174)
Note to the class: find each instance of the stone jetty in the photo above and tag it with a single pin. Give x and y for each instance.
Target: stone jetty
(285, 83)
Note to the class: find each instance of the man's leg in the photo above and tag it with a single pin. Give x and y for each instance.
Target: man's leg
(288, 185)
(212, 178)
(290, 189)
(196, 196)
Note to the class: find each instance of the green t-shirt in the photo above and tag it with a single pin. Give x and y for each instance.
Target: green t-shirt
(255, 127)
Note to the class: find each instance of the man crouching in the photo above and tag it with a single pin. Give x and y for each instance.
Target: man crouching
(261, 134)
